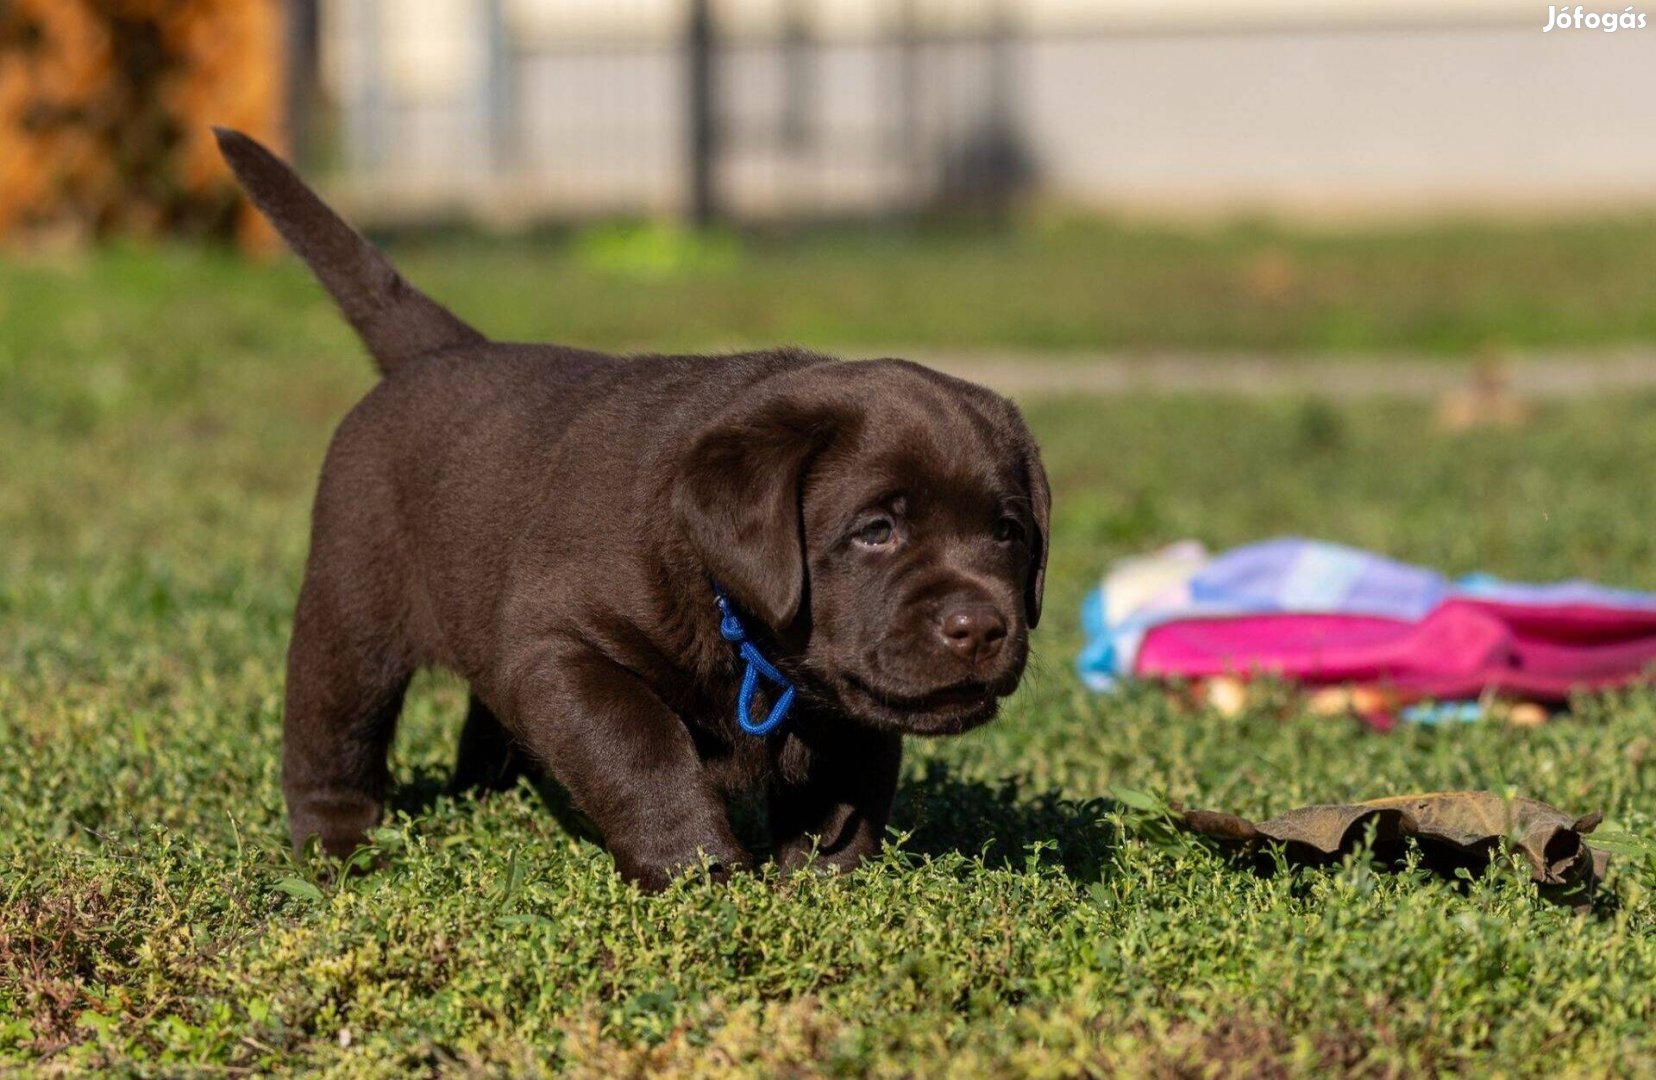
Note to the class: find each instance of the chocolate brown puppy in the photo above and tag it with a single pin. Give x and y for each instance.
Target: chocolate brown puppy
(552, 524)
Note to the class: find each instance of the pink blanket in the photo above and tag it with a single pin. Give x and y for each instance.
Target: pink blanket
(1461, 649)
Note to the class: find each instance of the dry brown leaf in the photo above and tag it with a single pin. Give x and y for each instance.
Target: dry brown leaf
(1453, 828)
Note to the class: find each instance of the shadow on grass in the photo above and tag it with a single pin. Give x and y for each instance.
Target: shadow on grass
(417, 795)
(1005, 824)
(1000, 824)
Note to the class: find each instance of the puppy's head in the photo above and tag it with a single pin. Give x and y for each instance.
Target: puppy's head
(888, 525)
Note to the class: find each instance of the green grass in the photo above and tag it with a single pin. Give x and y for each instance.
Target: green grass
(158, 444)
(1446, 289)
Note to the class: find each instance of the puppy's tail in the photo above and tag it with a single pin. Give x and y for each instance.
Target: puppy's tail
(395, 320)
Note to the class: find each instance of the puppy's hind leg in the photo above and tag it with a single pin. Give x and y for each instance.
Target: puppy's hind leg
(345, 686)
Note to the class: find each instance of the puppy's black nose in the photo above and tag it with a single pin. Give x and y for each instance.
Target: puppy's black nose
(974, 632)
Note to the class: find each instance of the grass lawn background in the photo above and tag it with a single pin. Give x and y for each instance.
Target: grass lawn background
(162, 417)
(1451, 289)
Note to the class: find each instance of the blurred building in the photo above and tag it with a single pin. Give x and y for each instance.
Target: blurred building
(512, 109)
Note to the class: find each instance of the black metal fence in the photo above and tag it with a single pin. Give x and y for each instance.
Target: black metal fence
(523, 110)
(717, 110)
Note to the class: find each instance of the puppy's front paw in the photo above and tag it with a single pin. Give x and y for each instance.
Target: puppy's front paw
(654, 871)
(340, 821)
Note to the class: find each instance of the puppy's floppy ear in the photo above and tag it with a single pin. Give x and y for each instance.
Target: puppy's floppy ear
(1040, 499)
(737, 500)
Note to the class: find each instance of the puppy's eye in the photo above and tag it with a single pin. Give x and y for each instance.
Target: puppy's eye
(1009, 530)
(877, 533)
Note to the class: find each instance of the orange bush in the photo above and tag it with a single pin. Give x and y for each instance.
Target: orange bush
(105, 109)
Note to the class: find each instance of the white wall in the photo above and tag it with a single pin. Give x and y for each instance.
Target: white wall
(1310, 106)
(1346, 119)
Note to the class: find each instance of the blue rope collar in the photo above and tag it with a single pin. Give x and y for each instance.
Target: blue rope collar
(732, 630)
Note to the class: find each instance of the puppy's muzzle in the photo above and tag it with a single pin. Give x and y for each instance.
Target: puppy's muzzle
(973, 632)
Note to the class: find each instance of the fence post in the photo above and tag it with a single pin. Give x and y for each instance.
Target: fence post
(1005, 163)
(704, 142)
(299, 74)
(500, 89)
(798, 77)
(367, 137)
(911, 141)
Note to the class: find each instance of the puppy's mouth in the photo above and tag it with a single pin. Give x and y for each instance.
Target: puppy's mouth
(946, 710)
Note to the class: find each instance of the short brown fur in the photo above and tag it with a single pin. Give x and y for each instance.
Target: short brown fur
(547, 523)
